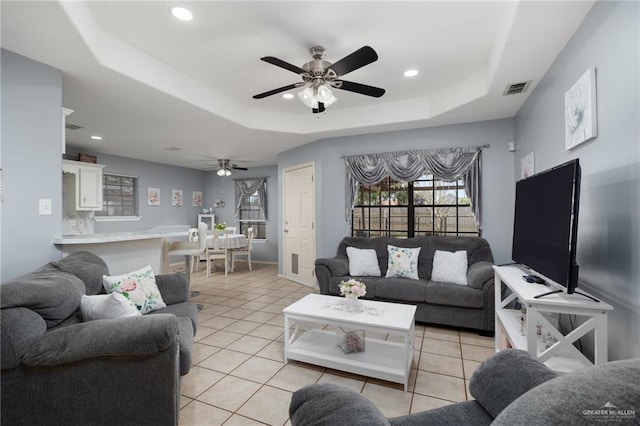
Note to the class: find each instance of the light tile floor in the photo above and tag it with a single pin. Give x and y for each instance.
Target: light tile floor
(239, 378)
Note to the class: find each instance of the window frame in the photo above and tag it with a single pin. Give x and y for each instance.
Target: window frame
(244, 222)
(385, 195)
(136, 206)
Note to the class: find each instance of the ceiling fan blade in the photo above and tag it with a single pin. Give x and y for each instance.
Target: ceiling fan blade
(239, 168)
(282, 64)
(278, 90)
(358, 59)
(362, 89)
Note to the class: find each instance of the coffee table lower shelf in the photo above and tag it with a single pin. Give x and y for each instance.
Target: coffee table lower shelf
(381, 359)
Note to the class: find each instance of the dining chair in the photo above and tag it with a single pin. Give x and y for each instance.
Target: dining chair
(243, 251)
(190, 249)
(192, 236)
(218, 250)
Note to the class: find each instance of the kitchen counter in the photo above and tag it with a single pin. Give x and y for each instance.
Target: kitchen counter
(124, 252)
(110, 237)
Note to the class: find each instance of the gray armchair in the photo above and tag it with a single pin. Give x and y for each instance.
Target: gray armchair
(58, 370)
(509, 388)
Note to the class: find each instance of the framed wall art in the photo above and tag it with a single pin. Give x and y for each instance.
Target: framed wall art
(196, 196)
(153, 196)
(581, 123)
(176, 197)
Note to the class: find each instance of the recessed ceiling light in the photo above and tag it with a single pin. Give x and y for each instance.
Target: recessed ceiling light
(181, 13)
(410, 73)
(97, 138)
(288, 96)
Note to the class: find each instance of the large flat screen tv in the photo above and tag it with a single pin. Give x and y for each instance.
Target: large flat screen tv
(545, 226)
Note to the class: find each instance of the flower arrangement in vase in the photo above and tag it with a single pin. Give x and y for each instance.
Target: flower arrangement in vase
(351, 290)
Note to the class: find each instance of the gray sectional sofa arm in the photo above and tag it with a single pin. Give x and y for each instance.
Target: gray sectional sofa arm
(330, 267)
(123, 337)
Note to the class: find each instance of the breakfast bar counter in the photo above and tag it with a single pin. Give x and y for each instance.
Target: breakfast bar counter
(126, 251)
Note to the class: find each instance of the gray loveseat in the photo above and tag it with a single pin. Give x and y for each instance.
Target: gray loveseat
(509, 388)
(468, 306)
(58, 370)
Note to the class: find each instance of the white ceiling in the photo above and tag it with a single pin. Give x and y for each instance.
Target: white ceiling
(145, 81)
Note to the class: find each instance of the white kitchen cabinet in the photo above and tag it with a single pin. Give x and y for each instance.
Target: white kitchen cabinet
(82, 185)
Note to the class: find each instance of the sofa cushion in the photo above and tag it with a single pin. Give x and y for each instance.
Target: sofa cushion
(423, 257)
(450, 267)
(21, 328)
(107, 306)
(501, 379)
(378, 244)
(328, 404)
(401, 289)
(403, 262)
(88, 267)
(585, 396)
(138, 286)
(363, 262)
(53, 294)
(448, 294)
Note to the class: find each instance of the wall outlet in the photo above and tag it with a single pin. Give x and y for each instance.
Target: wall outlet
(80, 222)
(71, 222)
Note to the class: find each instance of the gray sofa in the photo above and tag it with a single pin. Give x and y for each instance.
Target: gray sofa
(468, 306)
(59, 370)
(509, 388)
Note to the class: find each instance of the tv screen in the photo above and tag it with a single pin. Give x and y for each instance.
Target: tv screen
(546, 223)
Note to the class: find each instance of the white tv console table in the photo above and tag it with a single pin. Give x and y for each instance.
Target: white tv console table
(562, 356)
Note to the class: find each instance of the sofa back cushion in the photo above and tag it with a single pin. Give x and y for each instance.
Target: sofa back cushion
(477, 249)
(53, 294)
(88, 267)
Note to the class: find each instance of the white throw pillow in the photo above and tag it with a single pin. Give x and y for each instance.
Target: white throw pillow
(403, 262)
(107, 306)
(450, 267)
(363, 262)
(137, 286)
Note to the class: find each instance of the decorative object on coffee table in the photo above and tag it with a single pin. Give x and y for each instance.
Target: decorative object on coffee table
(351, 290)
(350, 341)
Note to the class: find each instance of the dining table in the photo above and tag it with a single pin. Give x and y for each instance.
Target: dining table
(228, 241)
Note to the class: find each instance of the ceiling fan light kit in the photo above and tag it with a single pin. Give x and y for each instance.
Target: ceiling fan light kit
(318, 76)
(225, 166)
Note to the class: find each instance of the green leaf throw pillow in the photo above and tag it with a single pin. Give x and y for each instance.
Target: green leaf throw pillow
(137, 286)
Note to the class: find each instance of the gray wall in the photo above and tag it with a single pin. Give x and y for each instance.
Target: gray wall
(498, 178)
(31, 147)
(609, 226)
(224, 188)
(154, 175)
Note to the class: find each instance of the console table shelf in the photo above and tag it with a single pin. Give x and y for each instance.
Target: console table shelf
(561, 356)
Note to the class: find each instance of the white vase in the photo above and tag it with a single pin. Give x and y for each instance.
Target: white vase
(353, 304)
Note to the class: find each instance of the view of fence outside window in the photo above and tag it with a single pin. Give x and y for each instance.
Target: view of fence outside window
(410, 209)
(250, 216)
(119, 196)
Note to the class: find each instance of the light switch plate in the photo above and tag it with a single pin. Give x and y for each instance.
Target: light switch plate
(45, 206)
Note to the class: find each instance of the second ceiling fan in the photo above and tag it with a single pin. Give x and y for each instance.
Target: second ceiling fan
(319, 75)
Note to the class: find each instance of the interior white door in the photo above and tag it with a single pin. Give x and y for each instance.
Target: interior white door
(299, 224)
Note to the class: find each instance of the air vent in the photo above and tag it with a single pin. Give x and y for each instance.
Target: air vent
(72, 126)
(516, 88)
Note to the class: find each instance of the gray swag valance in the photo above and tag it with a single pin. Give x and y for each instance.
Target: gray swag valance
(249, 186)
(446, 164)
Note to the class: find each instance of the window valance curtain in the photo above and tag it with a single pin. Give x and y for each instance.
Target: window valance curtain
(249, 186)
(446, 164)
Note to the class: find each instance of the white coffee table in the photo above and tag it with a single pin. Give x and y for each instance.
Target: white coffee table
(314, 343)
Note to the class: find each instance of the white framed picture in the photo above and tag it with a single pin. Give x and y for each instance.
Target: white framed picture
(153, 196)
(527, 166)
(196, 197)
(176, 197)
(581, 123)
